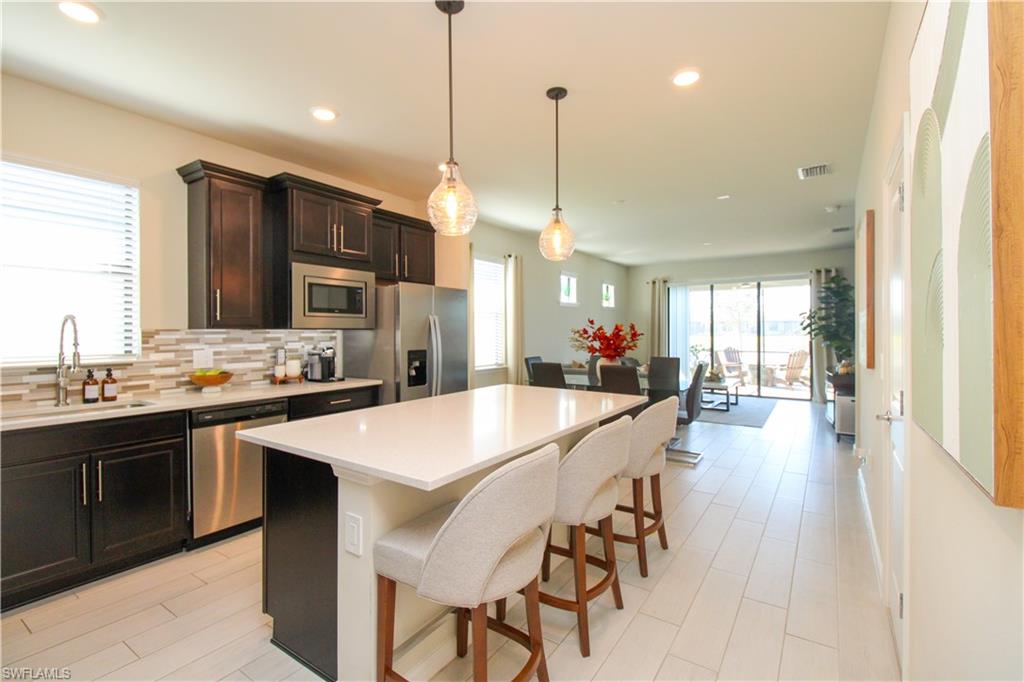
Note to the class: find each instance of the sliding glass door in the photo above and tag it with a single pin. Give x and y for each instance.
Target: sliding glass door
(750, 331)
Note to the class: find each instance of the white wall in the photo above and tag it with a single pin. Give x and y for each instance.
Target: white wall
(547, 323)
(966, 556)
(56, 127)
(726, 269)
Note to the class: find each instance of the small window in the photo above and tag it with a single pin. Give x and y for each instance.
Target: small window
(567, 291)
(607, 295)
(69, 245)
(488, 313)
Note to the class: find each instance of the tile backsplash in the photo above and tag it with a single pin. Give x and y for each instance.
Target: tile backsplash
(166, 362)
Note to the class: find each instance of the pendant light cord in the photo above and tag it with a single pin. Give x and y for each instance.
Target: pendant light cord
(556, 156)
(451, 99)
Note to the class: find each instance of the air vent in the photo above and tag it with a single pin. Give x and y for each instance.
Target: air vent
(813, 171)
(842, 229)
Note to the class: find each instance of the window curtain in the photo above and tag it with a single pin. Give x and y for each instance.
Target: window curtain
(471, 335)
(679, 327)
(514, 319)
(821, 357)
(657, 339)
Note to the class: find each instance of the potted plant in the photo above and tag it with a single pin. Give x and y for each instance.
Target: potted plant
(833, 321)
(610, 345)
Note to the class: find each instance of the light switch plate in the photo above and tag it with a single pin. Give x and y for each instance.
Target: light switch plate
(353, 534)
(202, 359)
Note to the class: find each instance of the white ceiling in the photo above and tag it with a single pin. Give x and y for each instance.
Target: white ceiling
(784, 85)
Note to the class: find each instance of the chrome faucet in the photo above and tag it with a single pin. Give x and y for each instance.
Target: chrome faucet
(63, 380)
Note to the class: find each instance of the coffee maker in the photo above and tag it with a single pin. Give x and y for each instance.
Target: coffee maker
(321, 365)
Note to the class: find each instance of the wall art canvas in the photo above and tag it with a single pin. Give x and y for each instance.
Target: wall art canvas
(960, 294)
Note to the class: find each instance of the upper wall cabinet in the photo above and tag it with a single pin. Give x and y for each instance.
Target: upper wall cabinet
(322, 220)
(226, 276)
(409, 244)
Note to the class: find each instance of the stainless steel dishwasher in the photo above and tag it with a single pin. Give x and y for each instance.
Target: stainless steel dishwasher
(226, 473)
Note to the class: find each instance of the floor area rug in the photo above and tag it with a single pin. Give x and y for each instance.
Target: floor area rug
(750, 412)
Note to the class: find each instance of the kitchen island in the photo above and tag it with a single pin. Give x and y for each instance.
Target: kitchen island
(335, 484)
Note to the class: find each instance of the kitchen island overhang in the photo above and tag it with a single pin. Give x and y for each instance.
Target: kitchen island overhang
(335, 484)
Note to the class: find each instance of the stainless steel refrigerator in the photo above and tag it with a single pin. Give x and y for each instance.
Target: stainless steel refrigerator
(419, 348)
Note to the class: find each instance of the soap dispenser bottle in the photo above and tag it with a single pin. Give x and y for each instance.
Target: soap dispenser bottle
(90, 388)
(109, 386)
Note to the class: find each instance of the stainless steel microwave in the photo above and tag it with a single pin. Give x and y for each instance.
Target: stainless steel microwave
(332, 298)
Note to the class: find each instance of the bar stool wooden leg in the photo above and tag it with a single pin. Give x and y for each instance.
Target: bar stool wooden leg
(479, 618)
(579, 570)
(501, 609)
(532, 594)
(461, 632)
(385, 627)
(638, 525)
(656, 503)
(607, 535)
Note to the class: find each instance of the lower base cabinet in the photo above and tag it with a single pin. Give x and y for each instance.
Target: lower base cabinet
(83, 501)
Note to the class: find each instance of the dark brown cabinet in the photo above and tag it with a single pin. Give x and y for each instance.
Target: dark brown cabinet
(140, 498)
(385, 249)
(45, 521)
(410, 244)
(321, 220)
(226, 274)
(85, 500)
(317, 404)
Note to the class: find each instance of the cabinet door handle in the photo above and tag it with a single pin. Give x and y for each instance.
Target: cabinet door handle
(406, 265)
(217, 303)
(85, 490)
(99, 477)
(340, 244)
(341, 402)
(334, 237)
(397, 271)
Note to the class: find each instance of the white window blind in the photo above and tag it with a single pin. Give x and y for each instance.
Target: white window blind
(68, 245)
(488, 313)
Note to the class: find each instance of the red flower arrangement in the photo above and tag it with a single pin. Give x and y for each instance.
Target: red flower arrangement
(596, 340)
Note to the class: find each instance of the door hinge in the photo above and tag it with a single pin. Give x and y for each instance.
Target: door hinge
(901, 606)
(902, 197)
(902, 413)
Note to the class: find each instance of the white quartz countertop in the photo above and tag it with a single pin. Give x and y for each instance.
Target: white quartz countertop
(30, 418)
(431, 442)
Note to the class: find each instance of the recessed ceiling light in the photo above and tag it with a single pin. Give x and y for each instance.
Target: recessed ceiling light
(707, 243)
(85, 12)
(723, 197)
(686, 77)
(618, 202)
(323, 114)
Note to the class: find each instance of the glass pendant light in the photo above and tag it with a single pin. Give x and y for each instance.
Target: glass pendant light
(557, 242)
(451, 207)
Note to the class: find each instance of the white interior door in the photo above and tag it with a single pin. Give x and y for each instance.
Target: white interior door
(895, 245)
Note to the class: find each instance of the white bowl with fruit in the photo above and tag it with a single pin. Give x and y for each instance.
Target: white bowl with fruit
(210, 379)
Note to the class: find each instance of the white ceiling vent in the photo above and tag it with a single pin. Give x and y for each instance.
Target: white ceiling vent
(813, 171)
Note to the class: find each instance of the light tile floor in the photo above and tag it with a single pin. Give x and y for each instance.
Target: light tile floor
(768, 576)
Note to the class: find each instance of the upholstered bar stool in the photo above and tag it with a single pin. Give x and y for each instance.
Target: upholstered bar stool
(651, 432)
(466, 555)
(588, 489)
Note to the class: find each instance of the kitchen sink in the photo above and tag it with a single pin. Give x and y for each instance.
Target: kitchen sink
(48, 412)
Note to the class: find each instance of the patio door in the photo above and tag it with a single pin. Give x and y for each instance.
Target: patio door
(785, 348)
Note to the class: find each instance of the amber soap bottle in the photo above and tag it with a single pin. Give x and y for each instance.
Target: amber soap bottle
(90, 388)
(109, 386)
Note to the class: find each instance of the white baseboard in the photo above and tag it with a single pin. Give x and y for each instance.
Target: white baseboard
(429, 651)
(876, 551)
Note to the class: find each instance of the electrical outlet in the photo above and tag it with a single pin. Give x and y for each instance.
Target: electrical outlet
(202, 359)
(353, 534)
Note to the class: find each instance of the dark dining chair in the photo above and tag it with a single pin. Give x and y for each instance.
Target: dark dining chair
(530, 361)
(619, 379)
(548, 374)
(592, 377)
(692, 402)
(663, 379)
(630, 362)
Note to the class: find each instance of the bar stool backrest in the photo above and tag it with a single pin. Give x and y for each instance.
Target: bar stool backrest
(652, 430)
(493, 542)
(587, 477)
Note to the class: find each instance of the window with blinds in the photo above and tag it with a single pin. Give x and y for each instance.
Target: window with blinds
(488, 313)
(68, 245)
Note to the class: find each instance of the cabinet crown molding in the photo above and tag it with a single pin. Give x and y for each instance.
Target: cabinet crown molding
(199, 170)
(403, 219)
(291, 181)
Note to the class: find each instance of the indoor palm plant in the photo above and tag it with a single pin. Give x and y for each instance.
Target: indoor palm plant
(833, 320)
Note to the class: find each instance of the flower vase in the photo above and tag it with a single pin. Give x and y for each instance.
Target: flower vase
(605, 361)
